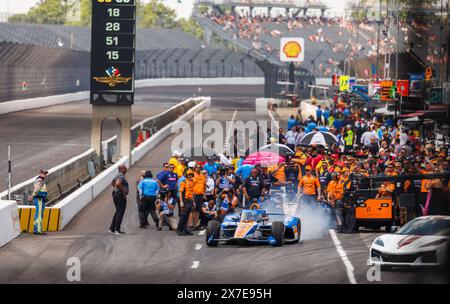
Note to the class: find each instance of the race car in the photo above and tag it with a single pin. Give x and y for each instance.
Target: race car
(254, 226)
(421, 242)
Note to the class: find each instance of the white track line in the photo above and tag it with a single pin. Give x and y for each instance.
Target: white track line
(201, 232)
(198, 246)
(195, 264)
(343, 255)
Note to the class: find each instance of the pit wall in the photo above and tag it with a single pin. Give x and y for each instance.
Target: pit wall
(34, 103)
(9, 222)
(59, 215)
(63, 178)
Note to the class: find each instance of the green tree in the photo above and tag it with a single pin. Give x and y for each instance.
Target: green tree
(85, 14)
(19, 18)
(157, 15)
(46, 12)
(191, 26)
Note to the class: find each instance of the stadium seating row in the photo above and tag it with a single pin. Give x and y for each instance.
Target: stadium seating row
(79, 38)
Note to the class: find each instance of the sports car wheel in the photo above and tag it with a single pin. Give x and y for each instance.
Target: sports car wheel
(278, 232)
(212, 230)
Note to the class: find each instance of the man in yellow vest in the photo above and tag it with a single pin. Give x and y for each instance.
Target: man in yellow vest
(175, 161)
(348, 138)
(39, 198)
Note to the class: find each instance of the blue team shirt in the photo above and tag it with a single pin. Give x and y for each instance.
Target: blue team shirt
(168, 178)
(148, 187)
(291, 123)
(211, 168)
(244, 171)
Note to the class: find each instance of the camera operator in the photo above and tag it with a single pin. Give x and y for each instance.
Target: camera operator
(225, 181)
(166, 206)
(209, 212)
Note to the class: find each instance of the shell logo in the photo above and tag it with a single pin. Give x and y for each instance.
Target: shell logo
(292, 49)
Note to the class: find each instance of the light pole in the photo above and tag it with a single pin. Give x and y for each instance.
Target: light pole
(378, 39)
(398, 41)
(9, 172)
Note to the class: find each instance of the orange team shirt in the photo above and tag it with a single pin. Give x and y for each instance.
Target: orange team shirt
(279, 175)
(309, 184)
(199, 184)
(342, 180)
(336, 189)
(424, 181)
(187, 187)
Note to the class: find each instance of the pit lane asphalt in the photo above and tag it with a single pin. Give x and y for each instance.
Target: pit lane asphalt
(149, 256)
(46, 137)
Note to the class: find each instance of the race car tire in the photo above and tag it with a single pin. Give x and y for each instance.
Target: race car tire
(299, 229)
(278, 232)
(213, 229)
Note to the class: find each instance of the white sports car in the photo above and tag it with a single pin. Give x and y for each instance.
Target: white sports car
(421, 242)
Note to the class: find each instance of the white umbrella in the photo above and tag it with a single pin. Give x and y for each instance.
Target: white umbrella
(278, 148)
(319, 138)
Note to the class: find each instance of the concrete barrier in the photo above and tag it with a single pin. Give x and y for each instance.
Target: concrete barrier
(60, 180)
(40, 102)
(69, 175)
(51, 220)
(78, 199)
(150, 143)
(9, 222)
(161, 82)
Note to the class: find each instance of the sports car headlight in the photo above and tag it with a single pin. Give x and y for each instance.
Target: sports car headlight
(379, 242)
(434, 243)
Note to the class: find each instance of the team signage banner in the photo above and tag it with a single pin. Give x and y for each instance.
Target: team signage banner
(386, 87)
(344, 83)
(403, 87)
(292, 49)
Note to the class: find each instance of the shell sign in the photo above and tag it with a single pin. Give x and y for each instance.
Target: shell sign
(292, 49)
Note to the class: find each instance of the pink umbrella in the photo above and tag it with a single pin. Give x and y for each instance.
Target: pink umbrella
(264, 159)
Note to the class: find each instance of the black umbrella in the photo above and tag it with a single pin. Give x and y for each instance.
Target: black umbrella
(200, 153)
(319, 138)
(278, 148)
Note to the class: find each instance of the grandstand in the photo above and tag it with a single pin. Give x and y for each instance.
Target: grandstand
(39, 60)
(329, 41)
(79, 38)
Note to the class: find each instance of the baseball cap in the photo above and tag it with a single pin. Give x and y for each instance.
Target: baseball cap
(43, 171)
(308, 168)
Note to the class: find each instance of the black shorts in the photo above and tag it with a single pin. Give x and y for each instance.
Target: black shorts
(198, 200)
